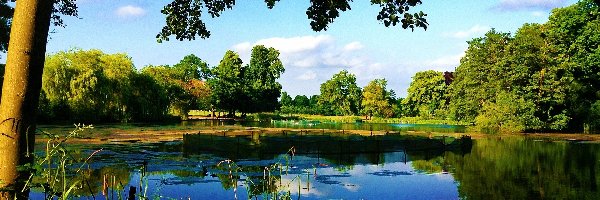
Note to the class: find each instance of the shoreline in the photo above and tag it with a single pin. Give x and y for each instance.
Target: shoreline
(131, 136)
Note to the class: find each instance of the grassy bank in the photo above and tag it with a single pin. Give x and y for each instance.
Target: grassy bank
(339, 119)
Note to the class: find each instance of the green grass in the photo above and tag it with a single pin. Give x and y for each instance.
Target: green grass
(338, 119)
(403, 120)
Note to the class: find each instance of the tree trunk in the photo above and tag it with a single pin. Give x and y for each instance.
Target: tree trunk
(21, 89)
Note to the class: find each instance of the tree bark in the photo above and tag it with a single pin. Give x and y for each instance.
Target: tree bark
(21, 89)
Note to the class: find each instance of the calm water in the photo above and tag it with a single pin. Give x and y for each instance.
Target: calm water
(334, 166)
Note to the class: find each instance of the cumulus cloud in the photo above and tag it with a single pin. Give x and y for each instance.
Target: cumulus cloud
(130, 11)
(311, 60)
(473, 31)
(512, 5)
(308, 75)
(320, 51)
(353, 46)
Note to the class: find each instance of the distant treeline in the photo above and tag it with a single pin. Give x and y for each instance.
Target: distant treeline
(545, 77)
(341, 96)
(91, 86)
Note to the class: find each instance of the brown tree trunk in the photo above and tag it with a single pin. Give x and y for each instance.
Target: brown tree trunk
(21, 89)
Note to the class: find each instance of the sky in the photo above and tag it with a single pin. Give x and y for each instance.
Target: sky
(355, 41)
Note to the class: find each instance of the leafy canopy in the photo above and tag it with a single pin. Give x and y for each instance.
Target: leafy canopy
(184, 18)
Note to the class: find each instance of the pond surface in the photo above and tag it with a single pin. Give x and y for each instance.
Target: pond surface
(336, 166)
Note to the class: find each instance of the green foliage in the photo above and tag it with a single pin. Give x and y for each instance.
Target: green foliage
(426, 95)
(189, 68)
(573, 34)
(521, 168)
(261, 78)
(181, 85)
(340, 95)
(184, 18)
(88, 85)
(376, 100)
(227, 84)
(91, 86)
(594, 117)
(149, 101)
(545, 77)
(508, 113)
(475, 77)
(246, 88)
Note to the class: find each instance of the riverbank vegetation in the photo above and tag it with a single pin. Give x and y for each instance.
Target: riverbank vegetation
(91, 86)
(542, 78)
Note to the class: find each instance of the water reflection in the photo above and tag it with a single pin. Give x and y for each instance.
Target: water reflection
(517, 168)
(344, 167)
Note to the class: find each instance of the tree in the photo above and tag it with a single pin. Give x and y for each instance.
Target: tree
(88, 86)
(340, 95)
(426, 94)
(301, 104)
(149, 100)
(260, 76)
(376, 99)
(286, 103)
(573, 35)
(189, 68)
(476, 77)
(22, 85)
(227, 84)
(182, 91)
(184, 17)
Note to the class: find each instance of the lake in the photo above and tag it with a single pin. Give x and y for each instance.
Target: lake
(332, 165)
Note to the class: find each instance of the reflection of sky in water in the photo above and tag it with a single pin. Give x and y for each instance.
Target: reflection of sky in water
(390, 181)
(173, 175)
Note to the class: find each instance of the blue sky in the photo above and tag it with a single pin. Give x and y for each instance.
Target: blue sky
(356, 41)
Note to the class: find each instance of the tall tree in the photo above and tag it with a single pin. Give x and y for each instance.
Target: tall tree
(476, 77)
(340, 95)
(286, 102)
(21, 88)
(227, 84)
(573, 34)
(426, 94)
(376, 99)
(88, 85)
(261, 78)
(189, 68)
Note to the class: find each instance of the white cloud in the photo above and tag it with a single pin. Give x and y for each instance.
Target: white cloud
(473, 31)
(130, 11)
(320, 51)
(512, 5)
(308, 75)
(353, 46)
(311, 60)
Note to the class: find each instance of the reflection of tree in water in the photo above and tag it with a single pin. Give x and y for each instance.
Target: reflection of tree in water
(517, 168)
(263, 185)
(339, 151)
(334, 149)
(92, 181)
